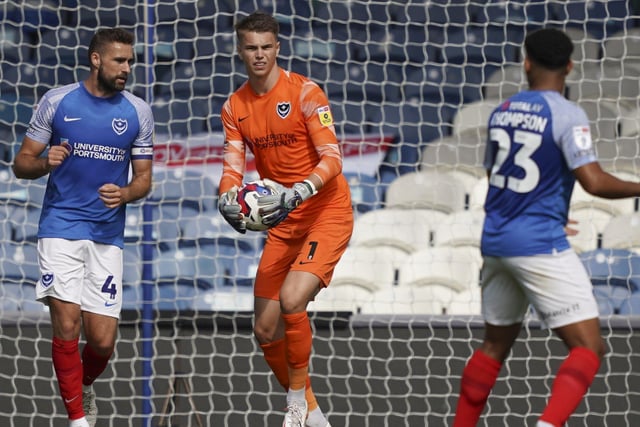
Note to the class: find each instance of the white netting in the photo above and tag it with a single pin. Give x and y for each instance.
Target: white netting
(410, 84)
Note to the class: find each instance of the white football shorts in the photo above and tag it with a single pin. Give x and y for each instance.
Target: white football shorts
(556, 285)
(81, 272)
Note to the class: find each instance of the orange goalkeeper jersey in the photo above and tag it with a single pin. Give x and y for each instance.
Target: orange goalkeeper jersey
(290, 132)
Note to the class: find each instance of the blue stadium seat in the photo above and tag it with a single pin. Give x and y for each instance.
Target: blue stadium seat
(615, 275)
(631, 306)
(22, 81)
(215, 17)
(415, 123)
(172, 42)
(610, 299)
(209, 228)
(599, 18)
(180, 114)
(366, 192)
(393, 43)
(32, 81)
(35, 192)
(132, 297)
(25, 226)
(19, 263)
(176, 296)
(132, 264)
(165, 224)
(135, 222)
(451, 84)
(613, 267)
(225, 80)
(19, 297)
(203, 39)
(538, 12)
(232, 256)
(183, 266)
(138, 81)
(195, 78)
(291, 16)
(15, 47)
(421, 45)
(190, 188)
(103, 13)
(487, 45)
(411, 11)
(234, 267)
(57, 75)
(333, 11)
(353, 117)
(224, 45)
(214, 122)
(10, 297)
(324, 44)
(31, 17)
(451, 13)
(373, 82)
(13, 196)
(217, 264)
(503, 13)
(64, 45)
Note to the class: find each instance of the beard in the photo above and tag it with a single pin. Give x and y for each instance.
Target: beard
(109, 85)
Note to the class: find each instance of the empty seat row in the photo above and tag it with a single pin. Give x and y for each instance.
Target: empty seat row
(368, 280)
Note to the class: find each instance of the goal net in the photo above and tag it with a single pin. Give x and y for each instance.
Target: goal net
(411, 84)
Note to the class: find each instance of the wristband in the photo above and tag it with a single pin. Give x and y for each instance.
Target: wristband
(312, 188)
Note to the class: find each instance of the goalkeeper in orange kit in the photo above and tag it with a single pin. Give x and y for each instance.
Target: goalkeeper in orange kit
(285, 120)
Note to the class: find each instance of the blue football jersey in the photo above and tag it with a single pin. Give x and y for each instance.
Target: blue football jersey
(535, 141)
(104, 134)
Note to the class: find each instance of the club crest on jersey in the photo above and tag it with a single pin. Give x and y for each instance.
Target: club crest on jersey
(283, 109)
(46, 280)
(119, 126)
(324, 114)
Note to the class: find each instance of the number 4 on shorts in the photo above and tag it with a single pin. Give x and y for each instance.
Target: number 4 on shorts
(109, 287)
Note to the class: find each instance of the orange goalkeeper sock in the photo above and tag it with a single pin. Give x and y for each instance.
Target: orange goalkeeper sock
(298, 347)
(275, 356)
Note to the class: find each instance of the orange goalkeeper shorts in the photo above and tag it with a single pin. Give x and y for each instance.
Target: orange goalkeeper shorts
(314, 247)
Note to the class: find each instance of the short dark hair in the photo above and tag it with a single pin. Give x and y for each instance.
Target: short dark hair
(258, 21)
(549, 47)
(105, 36)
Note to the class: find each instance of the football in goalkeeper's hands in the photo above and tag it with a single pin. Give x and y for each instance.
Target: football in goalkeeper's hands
(247, 198)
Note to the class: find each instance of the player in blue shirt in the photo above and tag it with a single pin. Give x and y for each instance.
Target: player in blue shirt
(98, 143)
(538, 144)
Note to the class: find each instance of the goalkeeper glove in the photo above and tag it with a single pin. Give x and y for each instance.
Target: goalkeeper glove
(274, 209)
(230, 210)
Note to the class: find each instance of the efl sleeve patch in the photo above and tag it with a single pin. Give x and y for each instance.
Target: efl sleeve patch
(324, 114)
(582, 137)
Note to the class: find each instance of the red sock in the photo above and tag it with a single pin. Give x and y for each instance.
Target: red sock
(297, 332)
(93, 364)
(478, 378)
(574, 377)
(68, 368)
